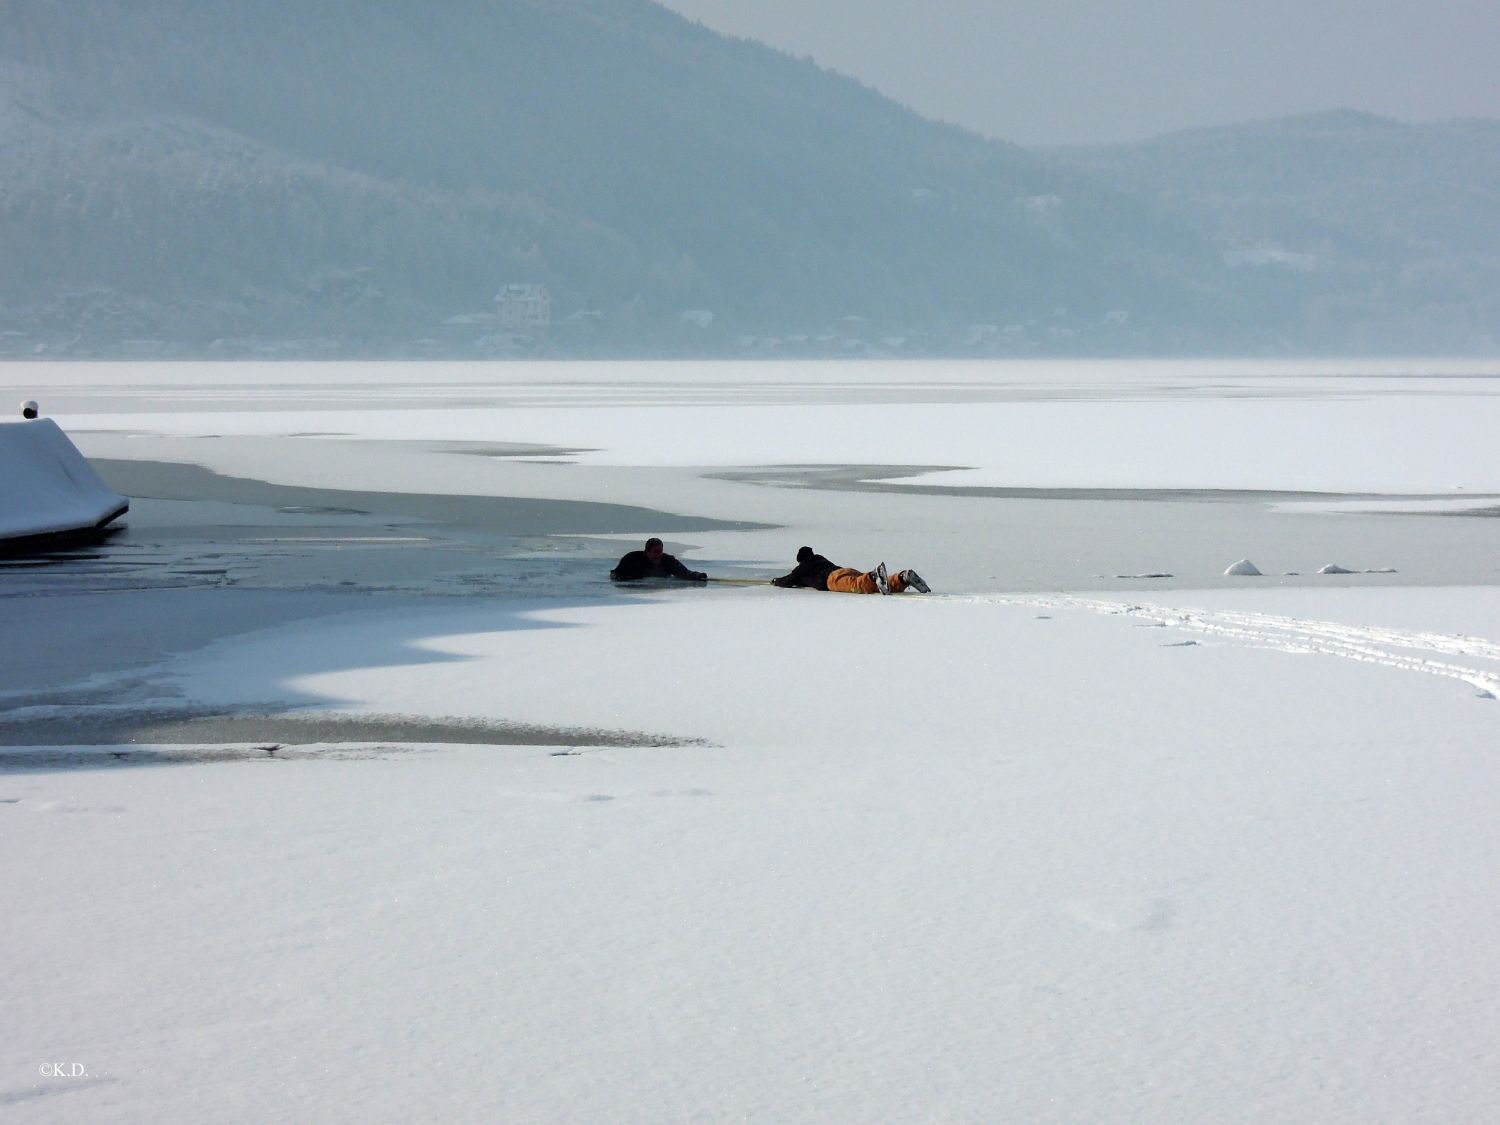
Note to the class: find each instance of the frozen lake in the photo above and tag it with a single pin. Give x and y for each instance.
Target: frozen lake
(992, 476)
(346, 747)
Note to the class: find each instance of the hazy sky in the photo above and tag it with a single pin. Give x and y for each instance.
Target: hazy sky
(1065, 71)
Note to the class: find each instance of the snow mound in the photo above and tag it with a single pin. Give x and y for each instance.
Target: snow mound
(46, 485)
(1243, 569)
(1333, 568)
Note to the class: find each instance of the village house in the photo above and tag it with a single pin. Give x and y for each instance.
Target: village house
(524, 306)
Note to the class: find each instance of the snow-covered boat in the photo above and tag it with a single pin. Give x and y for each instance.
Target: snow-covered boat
(50, 496)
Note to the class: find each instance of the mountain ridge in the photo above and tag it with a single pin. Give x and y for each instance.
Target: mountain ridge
(220, 179)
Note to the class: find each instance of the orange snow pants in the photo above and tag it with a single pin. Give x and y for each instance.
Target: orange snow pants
(847, 580)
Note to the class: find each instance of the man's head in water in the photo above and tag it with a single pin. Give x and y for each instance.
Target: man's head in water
(654, 549)
(28, 409)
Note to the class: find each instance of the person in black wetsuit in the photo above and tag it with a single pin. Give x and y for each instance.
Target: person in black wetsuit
(812, 571)
(815, 572)
(653, 562)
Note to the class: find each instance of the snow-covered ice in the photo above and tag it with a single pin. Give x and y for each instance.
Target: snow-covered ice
(1040, 846)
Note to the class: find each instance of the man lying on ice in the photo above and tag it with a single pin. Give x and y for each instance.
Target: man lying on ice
(817, 573)
(653, 563)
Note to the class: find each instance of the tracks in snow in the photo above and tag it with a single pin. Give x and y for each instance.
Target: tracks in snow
(1435, 654)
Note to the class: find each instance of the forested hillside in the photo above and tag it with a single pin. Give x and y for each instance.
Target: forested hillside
(1383, 236)
(362, 176)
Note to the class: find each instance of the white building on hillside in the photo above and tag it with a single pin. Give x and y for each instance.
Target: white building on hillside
(524, 306)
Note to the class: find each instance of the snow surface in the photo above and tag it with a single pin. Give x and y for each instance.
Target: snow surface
(993, 854)
(1416, 427)
(46, 486)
